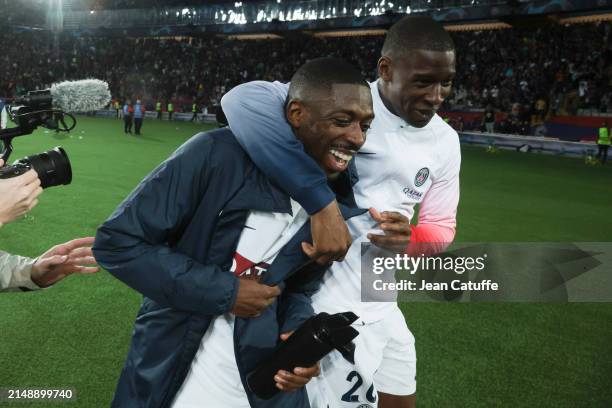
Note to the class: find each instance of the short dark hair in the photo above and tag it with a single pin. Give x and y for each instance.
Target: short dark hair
(320, 74)
(417, 33)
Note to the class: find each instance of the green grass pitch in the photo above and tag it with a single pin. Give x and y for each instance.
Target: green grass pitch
(76, 334)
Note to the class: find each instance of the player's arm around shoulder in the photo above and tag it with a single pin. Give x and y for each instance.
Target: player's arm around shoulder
(255, 112)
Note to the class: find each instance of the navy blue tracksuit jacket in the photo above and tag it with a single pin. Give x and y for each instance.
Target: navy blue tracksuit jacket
(173, 240)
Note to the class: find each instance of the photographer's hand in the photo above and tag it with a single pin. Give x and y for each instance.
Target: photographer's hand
(289, 382)
(18, 195)
(63, 260)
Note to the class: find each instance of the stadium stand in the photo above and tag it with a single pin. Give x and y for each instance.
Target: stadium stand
(568, 67)
(528, 74)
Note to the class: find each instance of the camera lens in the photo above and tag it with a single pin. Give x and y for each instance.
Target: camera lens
(53, 167)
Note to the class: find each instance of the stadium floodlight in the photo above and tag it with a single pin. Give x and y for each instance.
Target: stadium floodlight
(236, 18)
(297, 14)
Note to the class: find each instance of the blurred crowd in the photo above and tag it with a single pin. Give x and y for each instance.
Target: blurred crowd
(561, 70)
(568, 67)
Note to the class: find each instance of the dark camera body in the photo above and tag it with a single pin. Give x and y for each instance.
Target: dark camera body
(29, 111)
(14, 170)
(53, 167)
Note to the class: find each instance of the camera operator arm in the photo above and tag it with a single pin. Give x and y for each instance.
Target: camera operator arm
(15, 271)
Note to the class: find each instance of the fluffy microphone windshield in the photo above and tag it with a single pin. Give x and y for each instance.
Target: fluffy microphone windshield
(80, 96)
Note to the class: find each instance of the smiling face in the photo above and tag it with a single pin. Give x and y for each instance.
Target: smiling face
(332, 124)
(414, 85)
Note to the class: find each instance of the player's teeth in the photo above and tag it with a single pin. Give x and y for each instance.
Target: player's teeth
(340, 155)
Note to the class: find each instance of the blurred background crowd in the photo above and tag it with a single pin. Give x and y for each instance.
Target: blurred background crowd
(526, 74)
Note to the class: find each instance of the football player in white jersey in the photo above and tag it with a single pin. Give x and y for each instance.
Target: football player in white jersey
(215, 247)
(411, 157)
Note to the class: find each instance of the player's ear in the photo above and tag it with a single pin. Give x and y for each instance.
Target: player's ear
(295, 114)
(385, 69)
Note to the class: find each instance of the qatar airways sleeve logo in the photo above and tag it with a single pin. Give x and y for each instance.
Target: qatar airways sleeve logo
(247, 269)
(420, 179)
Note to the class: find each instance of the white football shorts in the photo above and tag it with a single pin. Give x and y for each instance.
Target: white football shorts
(385, 361)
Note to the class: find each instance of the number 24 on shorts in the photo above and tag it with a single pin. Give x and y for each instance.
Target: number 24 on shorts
(350, 395)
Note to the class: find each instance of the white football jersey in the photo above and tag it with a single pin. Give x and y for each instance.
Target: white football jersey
(399, 167)
(213, 379)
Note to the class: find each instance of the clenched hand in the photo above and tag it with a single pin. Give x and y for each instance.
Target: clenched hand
(330, 236)
(253, 297)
